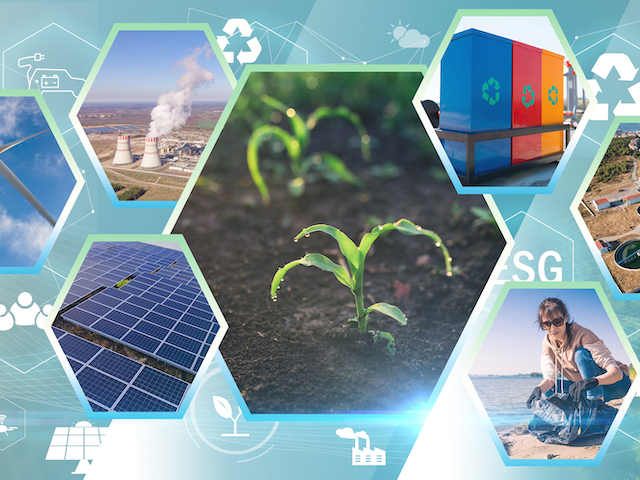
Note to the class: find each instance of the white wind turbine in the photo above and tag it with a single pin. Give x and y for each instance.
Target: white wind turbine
(17, 184)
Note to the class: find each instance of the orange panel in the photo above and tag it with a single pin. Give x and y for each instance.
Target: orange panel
(552, 101)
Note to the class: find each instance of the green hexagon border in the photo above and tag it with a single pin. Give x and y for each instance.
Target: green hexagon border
(224, 326)
(437, 59)
(595, 286)
(75, 171)
(104, 51)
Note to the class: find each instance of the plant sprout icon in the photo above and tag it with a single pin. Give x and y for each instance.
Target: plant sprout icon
(3, 428)
(224, 410)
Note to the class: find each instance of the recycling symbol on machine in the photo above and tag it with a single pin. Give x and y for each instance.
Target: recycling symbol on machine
(244, 56)
(525, 102)
(496, 86)
(553, 95)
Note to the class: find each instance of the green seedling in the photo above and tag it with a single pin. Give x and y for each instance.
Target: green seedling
(353, 278)
(296, 143)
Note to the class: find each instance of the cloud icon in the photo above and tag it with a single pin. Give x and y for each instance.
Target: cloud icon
(413, 39)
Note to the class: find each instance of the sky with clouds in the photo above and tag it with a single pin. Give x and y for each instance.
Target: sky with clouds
(142, 65)
(514, 342)
(42, 168)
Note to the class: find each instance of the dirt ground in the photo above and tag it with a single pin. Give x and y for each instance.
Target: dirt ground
(616, 222)
(301, 354)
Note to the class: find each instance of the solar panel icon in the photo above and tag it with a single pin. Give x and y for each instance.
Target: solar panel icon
(135, 327)
(80, 442)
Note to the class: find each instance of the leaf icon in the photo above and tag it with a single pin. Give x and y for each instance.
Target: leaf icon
(222, 407)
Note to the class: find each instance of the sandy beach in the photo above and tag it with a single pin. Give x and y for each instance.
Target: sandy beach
(520, 444)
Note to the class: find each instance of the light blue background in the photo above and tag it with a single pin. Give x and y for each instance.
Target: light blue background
(454, 442)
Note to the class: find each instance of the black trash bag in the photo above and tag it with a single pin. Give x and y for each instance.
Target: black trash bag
(559, 419)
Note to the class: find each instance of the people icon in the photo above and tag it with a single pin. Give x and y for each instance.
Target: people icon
(41, 319)
(25, 310)
(6, 319)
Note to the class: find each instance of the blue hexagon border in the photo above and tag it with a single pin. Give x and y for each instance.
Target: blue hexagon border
(595, 286)
(224, 326)
(35, 269)
(73, 114)
(617, 294)
(478, 189)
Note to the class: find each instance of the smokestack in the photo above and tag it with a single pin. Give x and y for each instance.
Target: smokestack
(123, 151)
(151, 159)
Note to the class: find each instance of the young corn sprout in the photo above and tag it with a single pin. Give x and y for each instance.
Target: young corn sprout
(296, 144)
(353, 278)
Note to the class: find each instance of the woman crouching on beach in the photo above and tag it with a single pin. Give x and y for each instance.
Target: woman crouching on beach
(584, 362)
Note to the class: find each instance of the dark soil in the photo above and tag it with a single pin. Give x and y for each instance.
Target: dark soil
(300, 354)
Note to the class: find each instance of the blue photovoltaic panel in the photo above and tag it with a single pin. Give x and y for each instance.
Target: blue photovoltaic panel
(161, 311)
(138, 401)
(99, 386)
(113, 382)
(156, 383)
(117, 365)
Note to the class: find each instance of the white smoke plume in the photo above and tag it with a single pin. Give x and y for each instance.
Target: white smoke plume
(349, 433)
(174, 107)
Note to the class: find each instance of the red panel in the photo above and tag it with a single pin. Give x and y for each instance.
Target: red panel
(526, 108)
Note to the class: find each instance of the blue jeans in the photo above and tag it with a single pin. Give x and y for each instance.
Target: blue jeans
(589, 368)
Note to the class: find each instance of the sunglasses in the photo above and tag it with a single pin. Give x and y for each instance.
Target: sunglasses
(556, 322)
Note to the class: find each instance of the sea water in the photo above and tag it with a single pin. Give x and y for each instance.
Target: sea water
(504, 398)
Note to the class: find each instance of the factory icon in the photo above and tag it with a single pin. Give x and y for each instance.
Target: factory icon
(365, 456)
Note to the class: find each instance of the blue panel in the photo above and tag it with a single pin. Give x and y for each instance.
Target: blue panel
(205, 350)
(190, 331)
(78, 348)
(181, 299)
(75, 366)
(176, 355)
(180, 307)
(206, 315)
(199, 361)
(99, 387)
(58, 333)
(107, 300)
(137, 401)
(109, 328)
(142, 303)
(183, 342)
(141, 341)
(205, 307)
(116, 293)
(132, 309)
(162, 385)
(78, 316)
(160, 319)
(196, 321)
(116, 365)
(122, 318)
(169, 312)
(153, 297)
(93, 307)
(97, 408)
(152, 330)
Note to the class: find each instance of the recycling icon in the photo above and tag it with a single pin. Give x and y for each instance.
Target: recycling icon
(627, 72)
(242, 26)
(525, 102)
(496, 96)
(553, 95)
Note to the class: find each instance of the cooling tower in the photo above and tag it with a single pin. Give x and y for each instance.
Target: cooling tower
(123, 151)
(151, 159)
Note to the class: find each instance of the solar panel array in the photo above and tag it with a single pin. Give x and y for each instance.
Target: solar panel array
(115, 383)
(160, 311)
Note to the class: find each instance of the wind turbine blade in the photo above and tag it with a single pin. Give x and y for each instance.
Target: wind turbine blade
(24, 191)
(5, 147)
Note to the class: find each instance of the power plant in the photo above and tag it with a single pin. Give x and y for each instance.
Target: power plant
(123, 151)
(151, 159)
